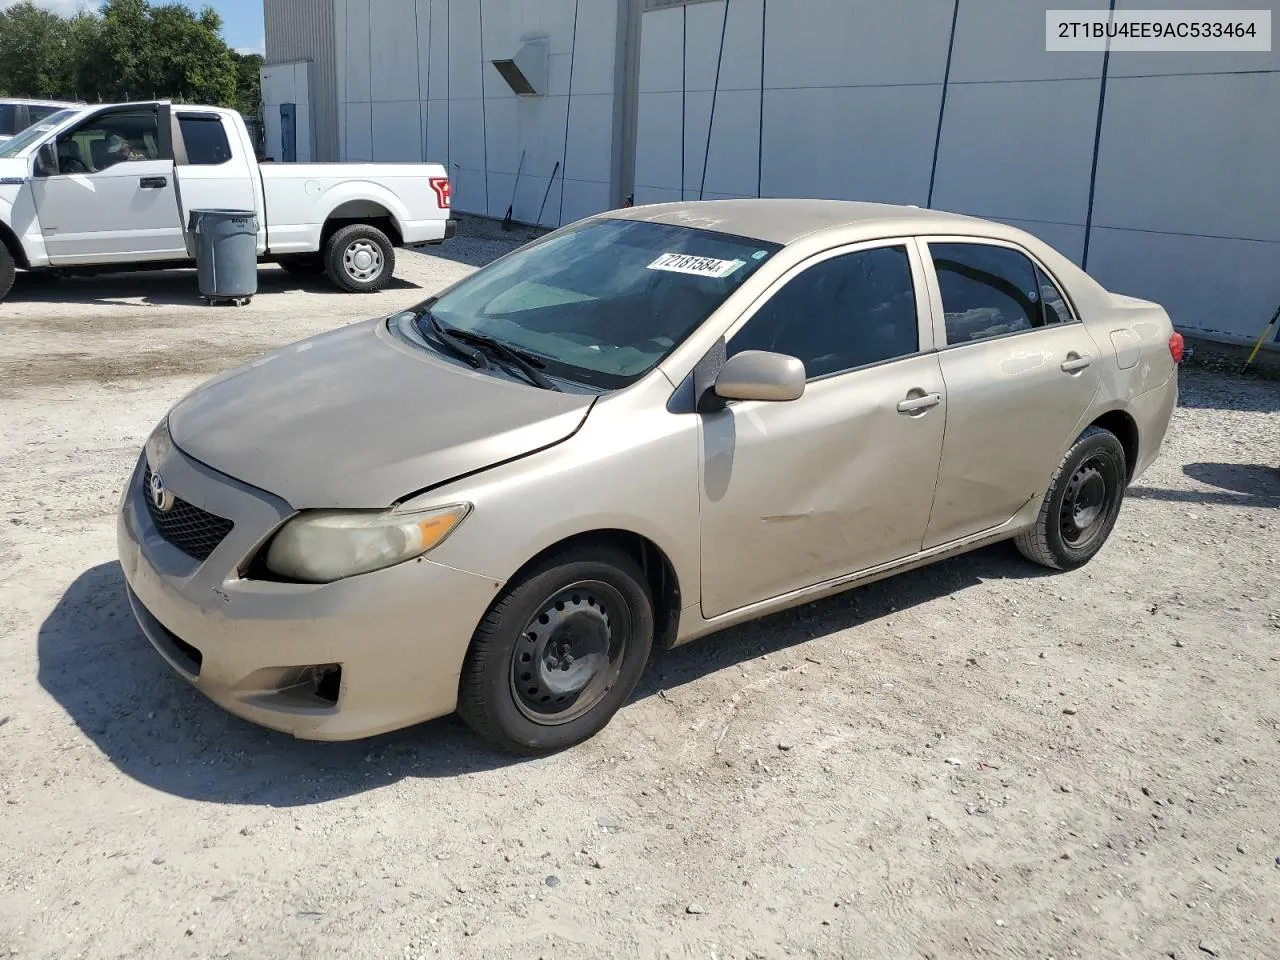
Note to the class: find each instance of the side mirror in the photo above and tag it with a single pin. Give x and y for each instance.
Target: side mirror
(760, 375)
(47, 160)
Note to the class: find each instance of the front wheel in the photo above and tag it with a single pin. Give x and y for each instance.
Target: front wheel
(8, 270)
(558, 653)
(359, 258)
(1081, 505)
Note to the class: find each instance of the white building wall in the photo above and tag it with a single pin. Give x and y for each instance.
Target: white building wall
(848, 99)
(850, 104)
(417, 83)
(288, 83)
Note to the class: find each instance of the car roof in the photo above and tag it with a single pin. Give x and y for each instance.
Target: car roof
(35, 102)
(778, 220)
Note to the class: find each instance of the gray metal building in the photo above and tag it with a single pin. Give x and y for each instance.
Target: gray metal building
(1160, 172)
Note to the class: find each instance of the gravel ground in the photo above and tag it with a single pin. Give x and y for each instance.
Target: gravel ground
(971, 760)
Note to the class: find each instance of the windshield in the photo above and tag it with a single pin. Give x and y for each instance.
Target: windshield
(11, 148)
(603, 302)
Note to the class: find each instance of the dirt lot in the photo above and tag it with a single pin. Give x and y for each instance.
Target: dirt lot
(971, 760)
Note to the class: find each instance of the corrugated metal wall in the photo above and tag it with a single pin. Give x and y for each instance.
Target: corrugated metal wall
(304, 30)
(1157, 174)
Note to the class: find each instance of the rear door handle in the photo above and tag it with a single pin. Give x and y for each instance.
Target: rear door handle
(1075, 364)
(919, 404)
(153, 183)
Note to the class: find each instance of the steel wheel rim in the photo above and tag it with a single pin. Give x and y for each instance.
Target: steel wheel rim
(1087, 502)
(362, 260)
(570, 653)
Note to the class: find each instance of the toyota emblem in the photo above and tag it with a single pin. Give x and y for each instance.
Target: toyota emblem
(161, 498)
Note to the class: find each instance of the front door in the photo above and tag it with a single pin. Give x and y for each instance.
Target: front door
(113, 196)
(1020, 372)
(840, 480)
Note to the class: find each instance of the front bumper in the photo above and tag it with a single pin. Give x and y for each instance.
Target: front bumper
(334, 661)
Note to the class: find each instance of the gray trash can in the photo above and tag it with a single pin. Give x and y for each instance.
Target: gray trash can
(226, 253)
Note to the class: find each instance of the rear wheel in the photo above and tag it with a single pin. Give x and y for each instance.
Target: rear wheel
(360, 258)
(8, 270)
(558, 653)
(1082, 504)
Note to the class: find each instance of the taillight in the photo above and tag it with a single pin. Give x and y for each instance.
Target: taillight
(444, 192)
(1175, 347)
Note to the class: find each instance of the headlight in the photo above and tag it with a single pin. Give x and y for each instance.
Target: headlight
(320, 546)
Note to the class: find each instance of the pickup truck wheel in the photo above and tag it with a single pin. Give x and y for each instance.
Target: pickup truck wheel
(306, 265)
(8, 269)
(360, 259)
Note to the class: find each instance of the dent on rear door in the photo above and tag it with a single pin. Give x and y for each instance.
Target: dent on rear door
(1011, 411)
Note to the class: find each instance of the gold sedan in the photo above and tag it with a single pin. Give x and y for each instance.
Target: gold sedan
(637, 430)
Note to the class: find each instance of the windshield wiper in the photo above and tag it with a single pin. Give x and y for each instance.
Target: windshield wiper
(517, 358)
(445, 334)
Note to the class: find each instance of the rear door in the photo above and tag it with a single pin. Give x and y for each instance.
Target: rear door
(113, 197)
(1020, 370)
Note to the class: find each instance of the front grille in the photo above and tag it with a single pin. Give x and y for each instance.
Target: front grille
(195, 532)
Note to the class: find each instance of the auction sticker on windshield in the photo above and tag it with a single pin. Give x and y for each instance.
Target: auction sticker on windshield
(697, 266)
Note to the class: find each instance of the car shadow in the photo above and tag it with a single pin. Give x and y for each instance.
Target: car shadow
(158, 287)
(1201, 388)
(151, 725)
(1239, 485)
(474, 251)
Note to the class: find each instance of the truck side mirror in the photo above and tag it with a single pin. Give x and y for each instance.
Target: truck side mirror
(47, 160)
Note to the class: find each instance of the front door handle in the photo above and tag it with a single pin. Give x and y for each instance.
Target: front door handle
(919, 404)
(153, 183)
(1074, 364)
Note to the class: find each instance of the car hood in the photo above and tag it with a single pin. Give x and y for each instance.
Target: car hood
(355, 418)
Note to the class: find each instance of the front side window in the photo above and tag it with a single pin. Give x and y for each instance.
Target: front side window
(603, 302)
(989, 291)
(205, 139)
(845, 312)
(108, 139)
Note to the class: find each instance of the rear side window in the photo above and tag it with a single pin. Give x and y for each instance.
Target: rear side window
(1056, 308)
(205, 139)
(35, 113)
(8, 119)
(849, 311)
(990, 291)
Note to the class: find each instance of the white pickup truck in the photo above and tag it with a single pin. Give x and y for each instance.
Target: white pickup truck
(112, 187)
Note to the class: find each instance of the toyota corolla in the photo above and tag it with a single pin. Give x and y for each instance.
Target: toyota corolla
(634, 431)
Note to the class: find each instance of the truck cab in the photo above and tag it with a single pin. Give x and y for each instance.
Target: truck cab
(108, 186)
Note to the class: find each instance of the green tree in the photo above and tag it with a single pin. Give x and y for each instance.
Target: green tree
(248, 83)
(38, 55)
(127, 50)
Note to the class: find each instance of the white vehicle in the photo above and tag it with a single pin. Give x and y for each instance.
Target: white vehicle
(113, 187)
(18, 113)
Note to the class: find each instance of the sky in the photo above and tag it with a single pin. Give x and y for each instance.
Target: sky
(241, 19)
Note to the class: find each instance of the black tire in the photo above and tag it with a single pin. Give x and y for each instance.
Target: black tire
(508, 691)
(303, 265)
(344, 264)
(8, 271)
(1082, 504)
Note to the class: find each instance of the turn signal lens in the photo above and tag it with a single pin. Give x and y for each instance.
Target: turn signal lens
(1175, 347)
(320, 546)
